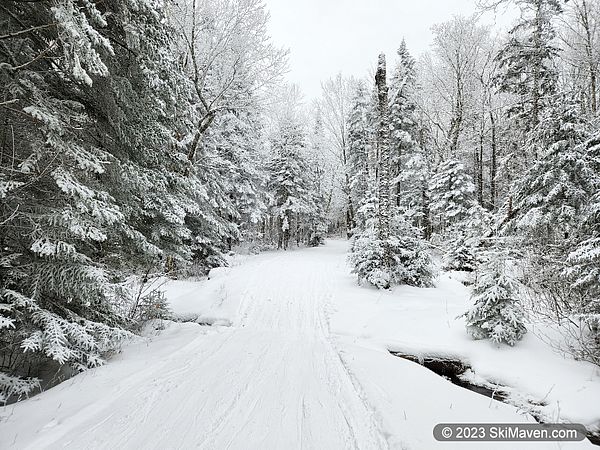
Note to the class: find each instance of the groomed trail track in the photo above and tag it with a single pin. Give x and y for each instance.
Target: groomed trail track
(273, 380)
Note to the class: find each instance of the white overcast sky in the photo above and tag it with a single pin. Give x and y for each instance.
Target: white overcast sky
(330, 36)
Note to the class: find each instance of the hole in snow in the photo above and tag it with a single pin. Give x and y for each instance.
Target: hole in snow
(455, 371)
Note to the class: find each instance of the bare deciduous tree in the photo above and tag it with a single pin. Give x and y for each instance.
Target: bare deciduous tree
(228, 55)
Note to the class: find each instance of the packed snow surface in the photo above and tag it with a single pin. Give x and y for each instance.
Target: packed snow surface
(296, 356)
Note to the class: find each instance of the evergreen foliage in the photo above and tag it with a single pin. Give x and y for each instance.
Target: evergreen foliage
(583, 262)
(409, 261)
(98, 180)
(497, 314)
(360, 141)
(550, 196)
(296, 206)
(136, 137)
(403, 126)
(389, 250)
(526, 61)
(452, 194)
(461, 256)
(414, 195)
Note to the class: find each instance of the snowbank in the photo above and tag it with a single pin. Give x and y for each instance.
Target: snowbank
(424, 322)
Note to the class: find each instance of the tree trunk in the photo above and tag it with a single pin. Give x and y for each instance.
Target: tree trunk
(457, 119)
(494, 164)
(427, 227)
(537, 67)
(383, 147)
(589, 46)
(279, 224)
(479, 167)
(350, 217)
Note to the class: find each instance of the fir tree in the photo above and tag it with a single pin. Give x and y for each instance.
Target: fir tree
(402, 121)
(414, 197)
(288, 182)
(409, 261)
(360, 137)
(549, 197)
(232, 145)
(61, 227)
(452, 194)
(583, 270)
(319, 177)
(460, 256)
(526, 61)
(97, 184)
(586, 255)
(388, 250)
(497, 313)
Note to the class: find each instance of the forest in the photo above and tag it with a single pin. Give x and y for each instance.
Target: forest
(154, 138)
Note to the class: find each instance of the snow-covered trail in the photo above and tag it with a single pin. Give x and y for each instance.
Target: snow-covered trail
(272, 380)
(304, 365)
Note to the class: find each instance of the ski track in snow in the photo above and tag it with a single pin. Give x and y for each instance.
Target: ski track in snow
(273, 380)
(304, 365)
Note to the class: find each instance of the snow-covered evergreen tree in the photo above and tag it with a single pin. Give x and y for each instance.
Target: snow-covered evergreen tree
(389, 250)
(586, 255)
(549, 197)
(526, 61)
(583, 269)
(551, 221)
(232, 146)
(288, 183)
(402, 122)
(452, 194)
(414, 196)
(98, 182)
(460, 256)
(64, 232)
(360, 141)
(410, 263)
(497, 313)
(321, 176)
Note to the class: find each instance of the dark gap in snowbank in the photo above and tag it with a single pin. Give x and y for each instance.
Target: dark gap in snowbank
(50, 374)
(454, 369)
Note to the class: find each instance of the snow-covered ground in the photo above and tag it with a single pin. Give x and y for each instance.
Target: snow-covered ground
(297, 357)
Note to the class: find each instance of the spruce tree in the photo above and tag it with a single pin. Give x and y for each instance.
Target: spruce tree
(232, 145)
(96, 185)
(414, 196)
(319, 174)
(61, 228)
(583, 269)
(460, 256)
